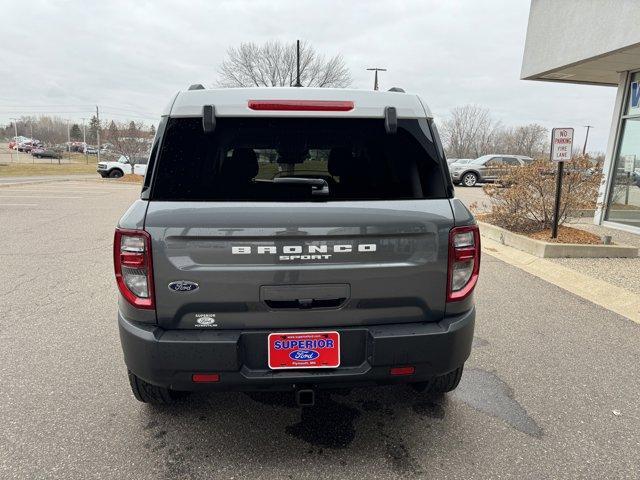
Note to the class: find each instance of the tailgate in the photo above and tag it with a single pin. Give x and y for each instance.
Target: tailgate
(298, 265)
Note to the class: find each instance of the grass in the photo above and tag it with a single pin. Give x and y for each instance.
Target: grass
(30, 169)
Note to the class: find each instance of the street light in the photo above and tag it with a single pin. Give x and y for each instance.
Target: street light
(15, 126)
(84, 140)
(584, 148)
(375, 78)
(68, 140)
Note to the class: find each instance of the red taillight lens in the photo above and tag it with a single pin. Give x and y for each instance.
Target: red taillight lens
(133, 267)
(302, 105)
(464, 262)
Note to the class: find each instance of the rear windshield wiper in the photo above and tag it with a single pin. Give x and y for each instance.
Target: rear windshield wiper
(319, 186)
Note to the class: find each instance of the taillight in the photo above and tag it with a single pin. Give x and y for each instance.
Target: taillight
(133, 266)
(302, 105)
(464, 262)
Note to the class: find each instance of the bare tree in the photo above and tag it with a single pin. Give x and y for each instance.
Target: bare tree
(129, 139)
(469, 132)
(273, 64)
(530, 140)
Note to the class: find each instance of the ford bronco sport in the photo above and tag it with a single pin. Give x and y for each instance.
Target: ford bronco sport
(295, 239)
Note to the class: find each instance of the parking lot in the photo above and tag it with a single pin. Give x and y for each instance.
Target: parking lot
(550, 390)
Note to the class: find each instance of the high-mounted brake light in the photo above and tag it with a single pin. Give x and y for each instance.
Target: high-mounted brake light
(302, 105)
(464, 262)
(133, 267)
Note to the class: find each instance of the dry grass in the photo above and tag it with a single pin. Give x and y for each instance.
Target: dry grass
(29, 169)
(130, 178)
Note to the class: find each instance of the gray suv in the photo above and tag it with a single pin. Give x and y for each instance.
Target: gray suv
(487, 168)
(295, 239)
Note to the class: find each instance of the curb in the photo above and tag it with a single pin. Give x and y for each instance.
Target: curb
(543, 249)
(611, 297)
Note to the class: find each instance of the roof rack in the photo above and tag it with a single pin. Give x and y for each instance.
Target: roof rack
(397, 89)
(196, 86)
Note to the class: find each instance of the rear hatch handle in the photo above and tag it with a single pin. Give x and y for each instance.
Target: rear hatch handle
(303, 297)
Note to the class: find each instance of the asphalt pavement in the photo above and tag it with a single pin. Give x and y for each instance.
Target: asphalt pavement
(550, 391)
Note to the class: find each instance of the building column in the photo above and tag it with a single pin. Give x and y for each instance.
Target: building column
(608, 169)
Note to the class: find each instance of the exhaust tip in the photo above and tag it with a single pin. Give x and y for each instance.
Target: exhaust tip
(306, 397)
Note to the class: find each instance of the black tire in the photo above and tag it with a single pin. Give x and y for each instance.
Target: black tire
(469, 179)
(116, 173)
(440, 384)
(152, 394)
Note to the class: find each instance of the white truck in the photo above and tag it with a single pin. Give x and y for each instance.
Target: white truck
(122, 166)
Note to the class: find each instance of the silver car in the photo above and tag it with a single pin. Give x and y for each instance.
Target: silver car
(486, 168)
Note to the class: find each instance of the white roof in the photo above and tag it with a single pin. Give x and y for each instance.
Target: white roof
(233, 102)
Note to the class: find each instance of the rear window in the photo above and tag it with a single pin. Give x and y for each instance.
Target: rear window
(297, 159)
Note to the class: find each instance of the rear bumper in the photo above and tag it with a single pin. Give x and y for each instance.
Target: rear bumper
(170, 357)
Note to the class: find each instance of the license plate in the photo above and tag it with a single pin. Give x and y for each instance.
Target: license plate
(304, 350)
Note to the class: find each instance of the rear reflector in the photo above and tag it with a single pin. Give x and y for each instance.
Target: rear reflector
(205, 377)
(398, 371)
(302, 105)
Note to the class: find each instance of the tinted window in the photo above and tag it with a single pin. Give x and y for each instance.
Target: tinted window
(511, 161)
(494, 162)
(303, 159)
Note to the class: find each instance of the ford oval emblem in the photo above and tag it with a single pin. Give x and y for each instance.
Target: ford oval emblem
(304, 355)
(183, 286)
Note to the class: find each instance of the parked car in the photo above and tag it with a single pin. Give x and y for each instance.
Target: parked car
(463, 161)
(236, 275)
(25, 147)
(40, 152)
(451, 160)
(91, 150)
(486, 168)
(122, 166)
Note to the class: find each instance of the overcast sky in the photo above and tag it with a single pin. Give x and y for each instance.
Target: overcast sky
(130, 57)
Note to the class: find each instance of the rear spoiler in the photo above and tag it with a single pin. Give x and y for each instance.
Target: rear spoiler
(209, 116)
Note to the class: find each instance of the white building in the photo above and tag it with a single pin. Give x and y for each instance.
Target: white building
(596, 42)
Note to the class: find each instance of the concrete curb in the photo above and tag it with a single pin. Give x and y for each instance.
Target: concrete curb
(544, 249)
(611, 297)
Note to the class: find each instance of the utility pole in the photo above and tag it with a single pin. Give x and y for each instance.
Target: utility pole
(84, 140)
(15, 127)
(31, 126)
(584, 148)
(98, 131)
(68, 139)
(375, 78)
(298, 84)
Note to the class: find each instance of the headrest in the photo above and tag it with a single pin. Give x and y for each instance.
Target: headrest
(340, 161)
(241, 167)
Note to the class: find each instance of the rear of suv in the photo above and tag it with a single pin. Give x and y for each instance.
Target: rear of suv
(295, 239)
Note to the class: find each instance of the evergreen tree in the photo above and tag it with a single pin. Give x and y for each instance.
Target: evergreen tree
(76, 133)
(112, 132)
(94, 128)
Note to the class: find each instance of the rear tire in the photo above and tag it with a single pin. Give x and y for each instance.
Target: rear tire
(148, 393)
(469, 179)
(115, 174)
(440, 384)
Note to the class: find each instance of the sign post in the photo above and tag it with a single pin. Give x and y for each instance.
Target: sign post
(561, 145)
